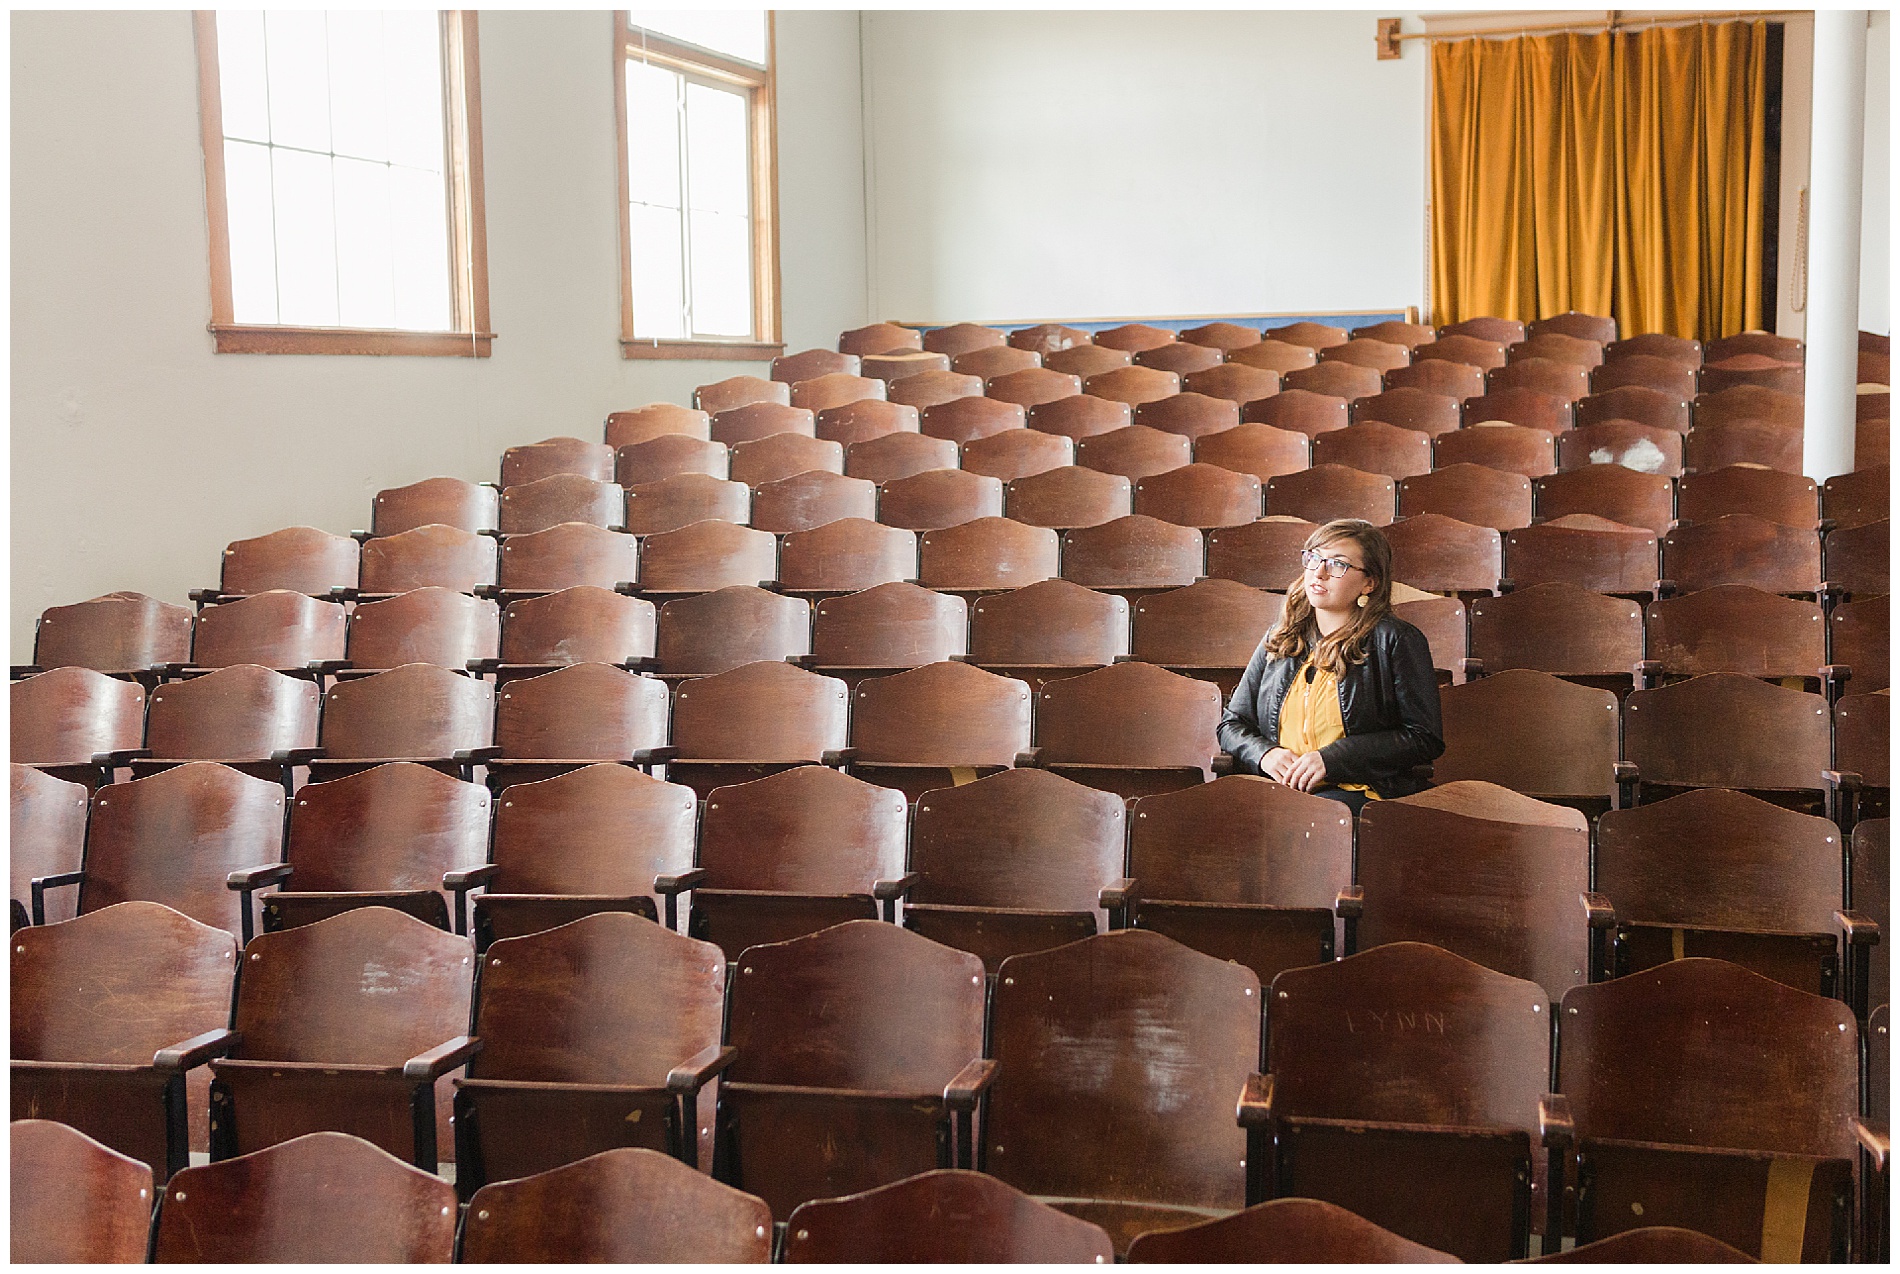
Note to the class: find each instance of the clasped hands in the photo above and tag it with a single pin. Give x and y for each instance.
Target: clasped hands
(1300, 771)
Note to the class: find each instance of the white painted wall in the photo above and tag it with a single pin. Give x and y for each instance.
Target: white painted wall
(138, 453)
(1876, 225)
(1100, 164)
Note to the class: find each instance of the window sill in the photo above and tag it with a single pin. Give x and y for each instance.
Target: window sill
(239, 338)
(745, 351)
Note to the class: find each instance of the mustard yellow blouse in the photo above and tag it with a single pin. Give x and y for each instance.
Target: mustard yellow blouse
(1310, 718)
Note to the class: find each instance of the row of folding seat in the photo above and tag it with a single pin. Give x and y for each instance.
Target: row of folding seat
(1237, 479)
(1208, 628)
(330, 1197)
(859, 1054)
(1434, 550)
(1015, 861)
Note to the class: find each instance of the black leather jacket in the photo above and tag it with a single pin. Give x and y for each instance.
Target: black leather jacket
(1389, 702)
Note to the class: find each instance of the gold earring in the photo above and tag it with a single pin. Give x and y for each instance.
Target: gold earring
(1362, 601)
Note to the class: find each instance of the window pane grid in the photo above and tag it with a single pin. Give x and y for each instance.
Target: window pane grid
(689, 215)
(337, 181)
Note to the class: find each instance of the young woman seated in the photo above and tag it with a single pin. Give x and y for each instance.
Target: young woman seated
(1340, 699)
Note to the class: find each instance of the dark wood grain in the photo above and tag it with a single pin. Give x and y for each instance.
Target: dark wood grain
(737, 391)
(1636, 402)
(1560, 629)
(1068, 496)
(1482, 872)
(581, 1025)
(438, 556)
(446, 628)
(116, 633)
(1612, 492)
(329, 1012)
(323, 1197)
(537, 460)
(1189, 413)
(706, 556)
(75, 1200)
(583, 624)
(942, 1215)
(279, 629)
(894, 625)
(729, 627)
(94, 1000)
(301, 559)
(1119, 1060)
(64, 716)
(1328, 491)
(846, 555)
(847, 1040)
(1530, 732)
(1470, 493)
(620, 1205)
(1135, 552)
(986, 553)
(456, 502)
(938, 498)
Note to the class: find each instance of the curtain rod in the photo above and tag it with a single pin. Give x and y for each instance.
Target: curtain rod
(1390, 35)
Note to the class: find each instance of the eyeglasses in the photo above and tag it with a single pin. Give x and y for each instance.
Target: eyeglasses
(1326, 567)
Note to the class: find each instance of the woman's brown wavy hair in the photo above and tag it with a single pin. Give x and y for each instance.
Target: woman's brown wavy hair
(1298, 629)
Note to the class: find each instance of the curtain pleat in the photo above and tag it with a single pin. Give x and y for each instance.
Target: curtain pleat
(1608, 173)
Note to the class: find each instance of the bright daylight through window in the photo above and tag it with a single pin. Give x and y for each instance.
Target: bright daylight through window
(349, 196)
(700, 265)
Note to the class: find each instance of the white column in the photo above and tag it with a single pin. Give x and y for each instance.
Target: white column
(1834, 197)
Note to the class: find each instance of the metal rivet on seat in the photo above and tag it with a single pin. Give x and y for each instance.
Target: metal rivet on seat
(803, 1235)
(179, 1195)
(760, 1231)
(482, 1215)
(257, 955)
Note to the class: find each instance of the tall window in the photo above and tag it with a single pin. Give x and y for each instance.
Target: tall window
(343, 182)
(699, 272)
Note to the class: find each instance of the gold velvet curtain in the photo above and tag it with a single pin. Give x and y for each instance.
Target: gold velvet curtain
(1613, 173)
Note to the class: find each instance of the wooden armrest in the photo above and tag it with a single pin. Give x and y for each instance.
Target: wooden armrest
(970, 1083)
(679, 881)
(478, 756)
(1598, 911)
(250, 878)
(469, 877)
(1118, 893)
(1875, 1140)
(1859, 927)
(691, 1075)
(296, 756)
(838, 758)
(1223, 765)
(655, 756)
(1555, 1128)
(197, 1050)
(887, 890)
(1844, 780)
(1350, 903)
(1255, 1109)
(1666, 587)
(24, 670)
(1031, 759)
(1470, 669)
(202, 596)
(442, 1059)
(120, 757)
(1836, 673)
